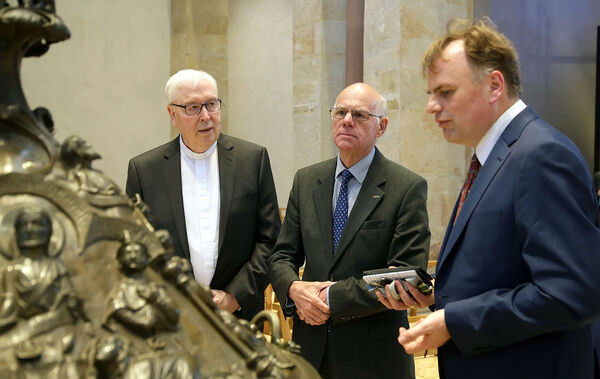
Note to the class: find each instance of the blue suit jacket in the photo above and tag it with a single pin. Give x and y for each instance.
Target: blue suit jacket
(519, 272)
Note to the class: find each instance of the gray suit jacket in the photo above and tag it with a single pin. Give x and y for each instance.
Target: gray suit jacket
(249, 214)
(387, 226)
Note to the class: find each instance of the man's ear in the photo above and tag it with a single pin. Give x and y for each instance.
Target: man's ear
(496, 85)
(382, 126)
(171, 112)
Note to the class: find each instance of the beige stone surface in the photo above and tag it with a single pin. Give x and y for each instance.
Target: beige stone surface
(106, 82)
(396, 36)
(260, 84)
(318, 76)
(199, 41)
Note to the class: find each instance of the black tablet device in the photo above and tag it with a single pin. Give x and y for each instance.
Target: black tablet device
(378, 279)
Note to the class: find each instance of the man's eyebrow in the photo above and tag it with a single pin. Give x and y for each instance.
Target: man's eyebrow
(437, 88)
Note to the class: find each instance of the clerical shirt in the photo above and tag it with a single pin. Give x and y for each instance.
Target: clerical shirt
(201, 204)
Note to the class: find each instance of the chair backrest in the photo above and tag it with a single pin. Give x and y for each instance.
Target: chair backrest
(282, 213)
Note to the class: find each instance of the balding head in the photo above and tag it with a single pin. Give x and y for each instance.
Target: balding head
(358, 119)
(367, 92)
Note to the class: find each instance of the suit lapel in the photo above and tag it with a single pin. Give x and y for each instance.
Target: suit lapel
(494, 162)
(369, 196)
(227, 162)
(171, 170)
(323, 195)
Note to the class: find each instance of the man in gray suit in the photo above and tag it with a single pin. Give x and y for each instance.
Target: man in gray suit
(214, 194)
(357, 212)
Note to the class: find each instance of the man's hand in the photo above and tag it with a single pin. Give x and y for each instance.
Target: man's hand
(307, 297)
(414, 299)
(323, 295)
(429, 333)
(225, 300)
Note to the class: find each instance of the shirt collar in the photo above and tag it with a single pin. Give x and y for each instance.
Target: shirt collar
(359, 169)
(487, 143)
(186, 150)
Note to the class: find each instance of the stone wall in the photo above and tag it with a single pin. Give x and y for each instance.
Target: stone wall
(396, 36)
(106, 82)
(260, 82)
(319, 70)
(397, 32)
(199, 41)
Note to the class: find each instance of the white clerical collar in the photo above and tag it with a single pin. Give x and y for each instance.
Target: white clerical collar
(186, 150)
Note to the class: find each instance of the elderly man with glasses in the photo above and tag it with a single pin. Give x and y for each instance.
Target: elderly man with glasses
(214, 194)
(359, 211)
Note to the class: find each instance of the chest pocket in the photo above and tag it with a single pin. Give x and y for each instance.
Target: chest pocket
(373, 224)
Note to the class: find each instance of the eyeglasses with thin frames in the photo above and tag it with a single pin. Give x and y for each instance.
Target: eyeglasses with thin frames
(341, 112)
(195, 109)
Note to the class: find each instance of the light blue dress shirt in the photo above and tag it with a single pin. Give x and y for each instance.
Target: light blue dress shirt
(359, 172)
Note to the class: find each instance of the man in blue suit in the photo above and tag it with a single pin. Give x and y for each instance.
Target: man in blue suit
(518, 275)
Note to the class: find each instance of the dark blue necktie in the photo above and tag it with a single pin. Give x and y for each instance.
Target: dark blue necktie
(341, 209)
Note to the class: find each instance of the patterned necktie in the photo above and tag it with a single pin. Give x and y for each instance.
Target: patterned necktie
(341, 209)
(473, 171)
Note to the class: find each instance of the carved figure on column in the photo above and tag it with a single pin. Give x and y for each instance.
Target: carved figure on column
(115, 358)
(77, 156)
(35, 283)
(140, 305)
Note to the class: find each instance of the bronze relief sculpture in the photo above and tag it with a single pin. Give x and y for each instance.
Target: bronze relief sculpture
(88, 289)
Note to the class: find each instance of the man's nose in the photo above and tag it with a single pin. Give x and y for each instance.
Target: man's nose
(348, 120)
(432, 105)
(204, 113)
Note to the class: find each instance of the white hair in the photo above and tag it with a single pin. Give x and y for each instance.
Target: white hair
(190, 77)
(381, 107)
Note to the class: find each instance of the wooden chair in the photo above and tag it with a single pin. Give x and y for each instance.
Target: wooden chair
(272, 303)
(282, 213)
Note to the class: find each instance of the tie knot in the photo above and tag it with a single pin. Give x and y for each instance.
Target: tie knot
(346, 176)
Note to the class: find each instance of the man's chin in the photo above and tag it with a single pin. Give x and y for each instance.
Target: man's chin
(450, 136)
(345, 143)
(202, 142)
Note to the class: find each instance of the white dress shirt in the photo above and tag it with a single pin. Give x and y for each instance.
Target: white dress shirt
(488, 141)
(201, 204)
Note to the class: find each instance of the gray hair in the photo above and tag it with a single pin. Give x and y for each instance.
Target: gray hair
(381, 107)
(188, 76)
